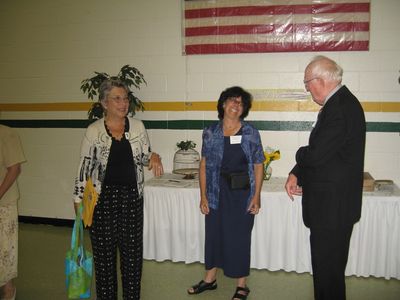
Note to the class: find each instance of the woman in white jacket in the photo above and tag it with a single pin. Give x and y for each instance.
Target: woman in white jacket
(113, 153)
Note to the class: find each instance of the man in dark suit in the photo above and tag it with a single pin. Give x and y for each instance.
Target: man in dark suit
(329, 176)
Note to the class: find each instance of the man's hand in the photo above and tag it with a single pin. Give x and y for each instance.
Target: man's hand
(291, 186)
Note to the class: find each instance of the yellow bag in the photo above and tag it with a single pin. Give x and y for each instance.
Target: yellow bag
(89, 202)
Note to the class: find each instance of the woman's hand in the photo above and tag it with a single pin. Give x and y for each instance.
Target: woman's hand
(155, 164)
(255, 205)
(204, 206)
(202, 181)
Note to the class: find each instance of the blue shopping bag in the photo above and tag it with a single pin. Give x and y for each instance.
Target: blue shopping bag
(78, 264)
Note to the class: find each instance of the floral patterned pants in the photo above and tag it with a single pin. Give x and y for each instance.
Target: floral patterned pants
(8, 243)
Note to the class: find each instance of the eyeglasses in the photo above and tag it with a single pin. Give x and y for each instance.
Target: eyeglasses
(309, 80)
(236, 100)
(119, 99)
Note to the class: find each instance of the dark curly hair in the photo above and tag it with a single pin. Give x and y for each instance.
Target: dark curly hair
(235, 91)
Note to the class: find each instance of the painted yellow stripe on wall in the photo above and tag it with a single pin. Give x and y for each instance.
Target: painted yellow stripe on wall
(288, 105)
(61, 106)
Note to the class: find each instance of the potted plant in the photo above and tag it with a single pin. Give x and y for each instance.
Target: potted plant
(186, 145)
(129, 75)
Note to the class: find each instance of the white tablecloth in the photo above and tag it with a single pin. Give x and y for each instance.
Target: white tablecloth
(174, 229)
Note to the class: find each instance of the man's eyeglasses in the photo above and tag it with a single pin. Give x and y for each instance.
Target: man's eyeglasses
(119, 99)
(309, 80)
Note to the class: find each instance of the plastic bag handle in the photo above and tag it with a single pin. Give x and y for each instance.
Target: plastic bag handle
(77, 236)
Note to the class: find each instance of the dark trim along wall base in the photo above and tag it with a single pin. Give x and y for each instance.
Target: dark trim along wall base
(46, 221)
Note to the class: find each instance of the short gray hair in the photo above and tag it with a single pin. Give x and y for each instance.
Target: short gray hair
(107, 85)
(325, 68)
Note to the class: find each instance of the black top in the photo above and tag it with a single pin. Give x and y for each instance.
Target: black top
(120, 166)
(234, 158)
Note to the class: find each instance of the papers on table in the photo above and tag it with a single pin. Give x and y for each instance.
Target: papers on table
(172, 180)
(176, 183)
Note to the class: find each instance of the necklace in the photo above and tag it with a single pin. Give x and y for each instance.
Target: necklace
(116, 130)
(232, 128)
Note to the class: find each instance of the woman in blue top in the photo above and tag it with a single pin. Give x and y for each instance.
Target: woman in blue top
(231, 176)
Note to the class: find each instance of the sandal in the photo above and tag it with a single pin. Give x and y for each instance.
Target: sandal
(242, 296)
(203, 286)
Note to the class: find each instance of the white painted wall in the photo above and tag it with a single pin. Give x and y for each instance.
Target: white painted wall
(49, 46)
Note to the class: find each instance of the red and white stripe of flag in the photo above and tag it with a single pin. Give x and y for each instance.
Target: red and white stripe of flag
(251, 26)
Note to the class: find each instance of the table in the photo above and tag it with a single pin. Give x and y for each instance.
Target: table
(174, 229)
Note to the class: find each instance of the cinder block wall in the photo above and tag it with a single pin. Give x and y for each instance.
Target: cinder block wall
(48, 47)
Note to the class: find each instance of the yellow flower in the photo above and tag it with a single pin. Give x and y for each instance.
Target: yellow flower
(271, 155)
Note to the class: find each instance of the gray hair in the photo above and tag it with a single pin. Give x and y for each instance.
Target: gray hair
(325, 68)
(107, 85)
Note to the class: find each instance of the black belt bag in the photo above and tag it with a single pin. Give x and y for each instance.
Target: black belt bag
(237, 181)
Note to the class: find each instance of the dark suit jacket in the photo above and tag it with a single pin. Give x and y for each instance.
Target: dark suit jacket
(330, 168)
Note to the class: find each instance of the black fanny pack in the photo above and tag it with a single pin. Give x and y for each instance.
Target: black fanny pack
(237, 181)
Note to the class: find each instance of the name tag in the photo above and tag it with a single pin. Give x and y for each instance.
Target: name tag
(236, 139)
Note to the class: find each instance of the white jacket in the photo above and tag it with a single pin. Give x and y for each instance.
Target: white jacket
(95, 150)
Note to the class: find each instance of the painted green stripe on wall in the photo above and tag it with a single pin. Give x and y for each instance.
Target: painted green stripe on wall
(383, 127)
(195, 125)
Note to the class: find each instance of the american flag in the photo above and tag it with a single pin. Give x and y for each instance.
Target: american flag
(254, 26)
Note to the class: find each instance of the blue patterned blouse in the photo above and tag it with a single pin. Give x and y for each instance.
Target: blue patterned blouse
(213, 149)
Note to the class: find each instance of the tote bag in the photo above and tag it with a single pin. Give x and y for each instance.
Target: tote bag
(78, 264)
